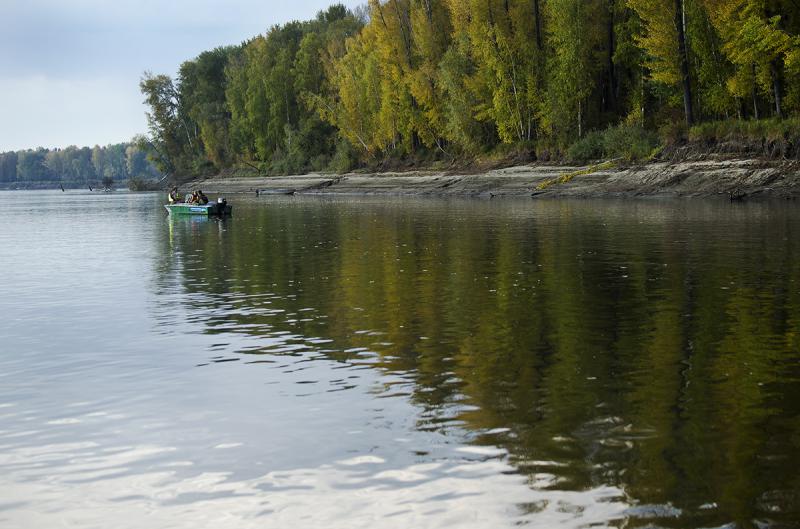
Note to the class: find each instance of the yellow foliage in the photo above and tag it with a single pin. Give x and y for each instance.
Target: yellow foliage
(659, 39)
(752, 42)
(566, 177)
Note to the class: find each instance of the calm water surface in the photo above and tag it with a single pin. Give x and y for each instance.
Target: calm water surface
(398, 363)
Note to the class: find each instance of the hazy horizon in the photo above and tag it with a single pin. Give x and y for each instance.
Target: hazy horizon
(70, 71)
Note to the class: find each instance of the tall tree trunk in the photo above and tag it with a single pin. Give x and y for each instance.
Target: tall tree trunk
(537, 20)
(683, 58)
(754, 93)
(643, 95)
(774, 65)
(612, 81)
(403, 32)
(406, 34)
(429, 11)
(776, 88)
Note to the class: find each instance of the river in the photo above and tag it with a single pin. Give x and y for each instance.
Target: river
(390, 362)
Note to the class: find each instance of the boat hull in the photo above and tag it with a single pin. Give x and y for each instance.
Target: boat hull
(213, 209)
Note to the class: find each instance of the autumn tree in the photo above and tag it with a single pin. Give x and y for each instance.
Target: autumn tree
(758, 43)
(664, 40)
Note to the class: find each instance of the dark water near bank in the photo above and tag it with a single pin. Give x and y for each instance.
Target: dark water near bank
(398, 363)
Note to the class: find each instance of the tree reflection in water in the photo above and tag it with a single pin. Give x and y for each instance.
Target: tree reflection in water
(651, 347)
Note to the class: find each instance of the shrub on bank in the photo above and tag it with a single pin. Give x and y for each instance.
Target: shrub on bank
(590, 147)
(623, 141)
(345, 158)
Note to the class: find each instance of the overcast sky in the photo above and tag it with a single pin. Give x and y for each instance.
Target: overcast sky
(70, 69)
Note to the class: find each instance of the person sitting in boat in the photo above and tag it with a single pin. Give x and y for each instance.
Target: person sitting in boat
(174, 197)
(201, 197)
(191, 198)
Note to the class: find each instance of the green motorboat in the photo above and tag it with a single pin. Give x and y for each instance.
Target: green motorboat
(212, 209)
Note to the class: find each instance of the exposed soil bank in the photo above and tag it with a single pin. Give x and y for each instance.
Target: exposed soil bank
(711, 176)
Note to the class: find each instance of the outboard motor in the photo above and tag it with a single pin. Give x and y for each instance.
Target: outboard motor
(222, 206)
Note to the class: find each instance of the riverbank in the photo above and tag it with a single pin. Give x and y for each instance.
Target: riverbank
(710, 176)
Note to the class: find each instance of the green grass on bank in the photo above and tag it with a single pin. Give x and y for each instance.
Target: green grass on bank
(787, 129)
(770, 137)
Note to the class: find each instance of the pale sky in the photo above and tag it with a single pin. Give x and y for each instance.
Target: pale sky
(70, 69)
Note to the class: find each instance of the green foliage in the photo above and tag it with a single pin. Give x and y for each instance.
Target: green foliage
(172, 134)
(498, 39)
(658, 39)
(758, 39)
(673, 132)
(345, 158)
(623, 141)
(202, 93)
(573, 66)
(275, 87)
(590, 147)
(460, 124)
(8, 166)
(31, 165)
(629, 142)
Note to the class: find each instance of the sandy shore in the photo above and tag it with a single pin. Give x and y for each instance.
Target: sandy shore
(749, 178)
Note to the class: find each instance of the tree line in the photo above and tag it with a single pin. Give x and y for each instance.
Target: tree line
(77, 166)
(431, 79)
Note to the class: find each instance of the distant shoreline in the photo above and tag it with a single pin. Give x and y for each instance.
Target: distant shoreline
(122, 185)
(735, 178)
(51, 186)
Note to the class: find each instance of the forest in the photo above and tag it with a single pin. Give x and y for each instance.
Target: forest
(415, 82)
(77, 166)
